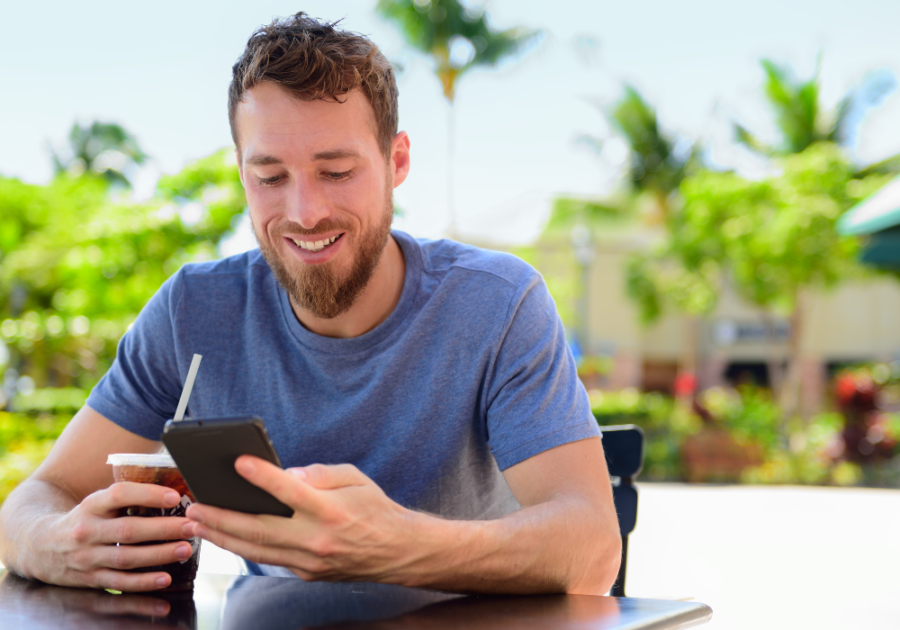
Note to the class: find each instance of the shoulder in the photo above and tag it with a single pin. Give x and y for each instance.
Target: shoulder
(237, 265)
(446, 259)
(235, 275)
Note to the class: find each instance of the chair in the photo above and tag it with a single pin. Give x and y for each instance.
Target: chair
(624, 448)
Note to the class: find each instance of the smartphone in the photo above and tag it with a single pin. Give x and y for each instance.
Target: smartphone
(205, 451)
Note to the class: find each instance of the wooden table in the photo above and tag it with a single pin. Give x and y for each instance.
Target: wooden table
(266, 603)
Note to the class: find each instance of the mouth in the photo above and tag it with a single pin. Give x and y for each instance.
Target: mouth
(316, 245)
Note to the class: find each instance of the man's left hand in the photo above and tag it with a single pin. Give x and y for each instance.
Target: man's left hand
(344, 526)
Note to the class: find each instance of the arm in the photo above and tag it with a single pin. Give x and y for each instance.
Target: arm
(565, 537)
(60, 525)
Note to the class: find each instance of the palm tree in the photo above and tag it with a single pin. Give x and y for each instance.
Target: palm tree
(801, 121)
(457, 38)
(800, 117)
(104, 148)
(655, 166)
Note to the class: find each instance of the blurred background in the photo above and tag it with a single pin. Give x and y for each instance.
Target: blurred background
(709, 190)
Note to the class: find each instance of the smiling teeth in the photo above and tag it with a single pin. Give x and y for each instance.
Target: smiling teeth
(315, 246)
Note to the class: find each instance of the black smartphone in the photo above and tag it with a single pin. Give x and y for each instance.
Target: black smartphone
(205, 451)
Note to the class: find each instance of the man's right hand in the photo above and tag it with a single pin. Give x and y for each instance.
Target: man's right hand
(79, 548)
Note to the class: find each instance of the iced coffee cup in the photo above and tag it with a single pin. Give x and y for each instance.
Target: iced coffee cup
(161, 470)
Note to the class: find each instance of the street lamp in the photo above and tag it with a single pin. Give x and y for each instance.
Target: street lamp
(584, 254)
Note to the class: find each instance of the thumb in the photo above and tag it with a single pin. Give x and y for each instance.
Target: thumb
(324, 477)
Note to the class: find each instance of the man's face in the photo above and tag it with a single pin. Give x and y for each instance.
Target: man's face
(319, 190)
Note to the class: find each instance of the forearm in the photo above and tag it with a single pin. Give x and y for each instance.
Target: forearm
(23, 519)
(563, 545)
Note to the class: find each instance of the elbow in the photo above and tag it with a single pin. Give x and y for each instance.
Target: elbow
(598, 569)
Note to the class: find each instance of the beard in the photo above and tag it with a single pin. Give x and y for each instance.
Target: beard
(319, 289)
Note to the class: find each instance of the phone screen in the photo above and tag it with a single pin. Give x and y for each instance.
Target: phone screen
(205, 451)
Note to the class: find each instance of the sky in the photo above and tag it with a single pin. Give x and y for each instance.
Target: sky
(162, 71)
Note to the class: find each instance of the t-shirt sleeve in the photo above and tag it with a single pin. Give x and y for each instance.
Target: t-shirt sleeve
(535, 399)
(141, 389)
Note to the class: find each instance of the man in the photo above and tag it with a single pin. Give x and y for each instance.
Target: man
(397, 377)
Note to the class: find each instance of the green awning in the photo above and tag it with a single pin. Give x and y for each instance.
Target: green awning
(879, 212)
(882, 249)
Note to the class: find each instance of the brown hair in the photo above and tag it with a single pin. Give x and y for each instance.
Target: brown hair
(313, 60)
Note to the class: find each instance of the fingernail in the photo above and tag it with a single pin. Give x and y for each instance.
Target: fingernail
(162, 581)
(196, 515)
(187, 530)
(246, 466)
(161, 609)
(171, 498)
(200, 532)
(299, 473)
(183, 551)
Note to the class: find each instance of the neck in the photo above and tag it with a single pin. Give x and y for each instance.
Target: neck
(373, 305)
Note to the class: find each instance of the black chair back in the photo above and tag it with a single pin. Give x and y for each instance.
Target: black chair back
(624, 448)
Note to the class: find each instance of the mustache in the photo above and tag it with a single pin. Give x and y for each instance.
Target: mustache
(326, 225)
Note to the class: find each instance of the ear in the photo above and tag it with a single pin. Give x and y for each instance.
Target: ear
(400, 157)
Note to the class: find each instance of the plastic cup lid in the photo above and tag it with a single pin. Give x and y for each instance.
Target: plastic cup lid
(150, 460)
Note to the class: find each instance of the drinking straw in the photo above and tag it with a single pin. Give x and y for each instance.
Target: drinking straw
(188, 386)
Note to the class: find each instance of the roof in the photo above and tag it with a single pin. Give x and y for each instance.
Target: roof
(876, 213)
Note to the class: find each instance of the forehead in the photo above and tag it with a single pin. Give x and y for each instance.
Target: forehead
(270, 121)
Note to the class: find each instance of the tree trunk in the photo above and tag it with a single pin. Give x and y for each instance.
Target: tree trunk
(773, 361)
(789, 398)
(451, 154)
(687, 362)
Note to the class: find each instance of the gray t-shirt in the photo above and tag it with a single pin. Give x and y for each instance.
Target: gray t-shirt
(469, 375)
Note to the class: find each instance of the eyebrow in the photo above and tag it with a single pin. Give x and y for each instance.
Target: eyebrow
(337, 154)
(262, 160)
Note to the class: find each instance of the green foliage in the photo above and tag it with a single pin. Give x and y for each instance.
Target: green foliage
(60, 400)
(799, 116)
(767, 239)
(795, 452)
(105, 149)
(560, 271)
(568, 212)
(750, 414)
(803, 457)
(653, 163)
(435, 27)
(665, 425)
(24, 443)
(77, 265)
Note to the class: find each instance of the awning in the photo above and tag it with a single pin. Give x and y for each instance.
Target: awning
(882, 249)
(879, 212)
(879, 218)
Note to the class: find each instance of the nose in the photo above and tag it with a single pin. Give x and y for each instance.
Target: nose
(306, 203)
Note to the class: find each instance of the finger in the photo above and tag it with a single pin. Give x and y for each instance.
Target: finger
(287, 488)
(330, 477)
(135, 529)
(126, 493)
(129, 582)
(125, 557)
(130, 605)
(279, 556)
(260, 529)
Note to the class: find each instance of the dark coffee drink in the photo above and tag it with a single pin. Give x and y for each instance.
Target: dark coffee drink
(159, 469)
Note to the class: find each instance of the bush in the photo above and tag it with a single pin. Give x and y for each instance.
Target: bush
(25, 440)
(795, 451)
(665, 424)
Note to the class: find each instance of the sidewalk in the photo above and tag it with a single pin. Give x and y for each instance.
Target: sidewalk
(771, 557)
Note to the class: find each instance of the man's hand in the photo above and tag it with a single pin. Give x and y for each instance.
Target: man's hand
(344, 527)
(79, 548)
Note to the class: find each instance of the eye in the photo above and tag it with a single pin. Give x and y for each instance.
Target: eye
(268, 181)
(338, 177)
